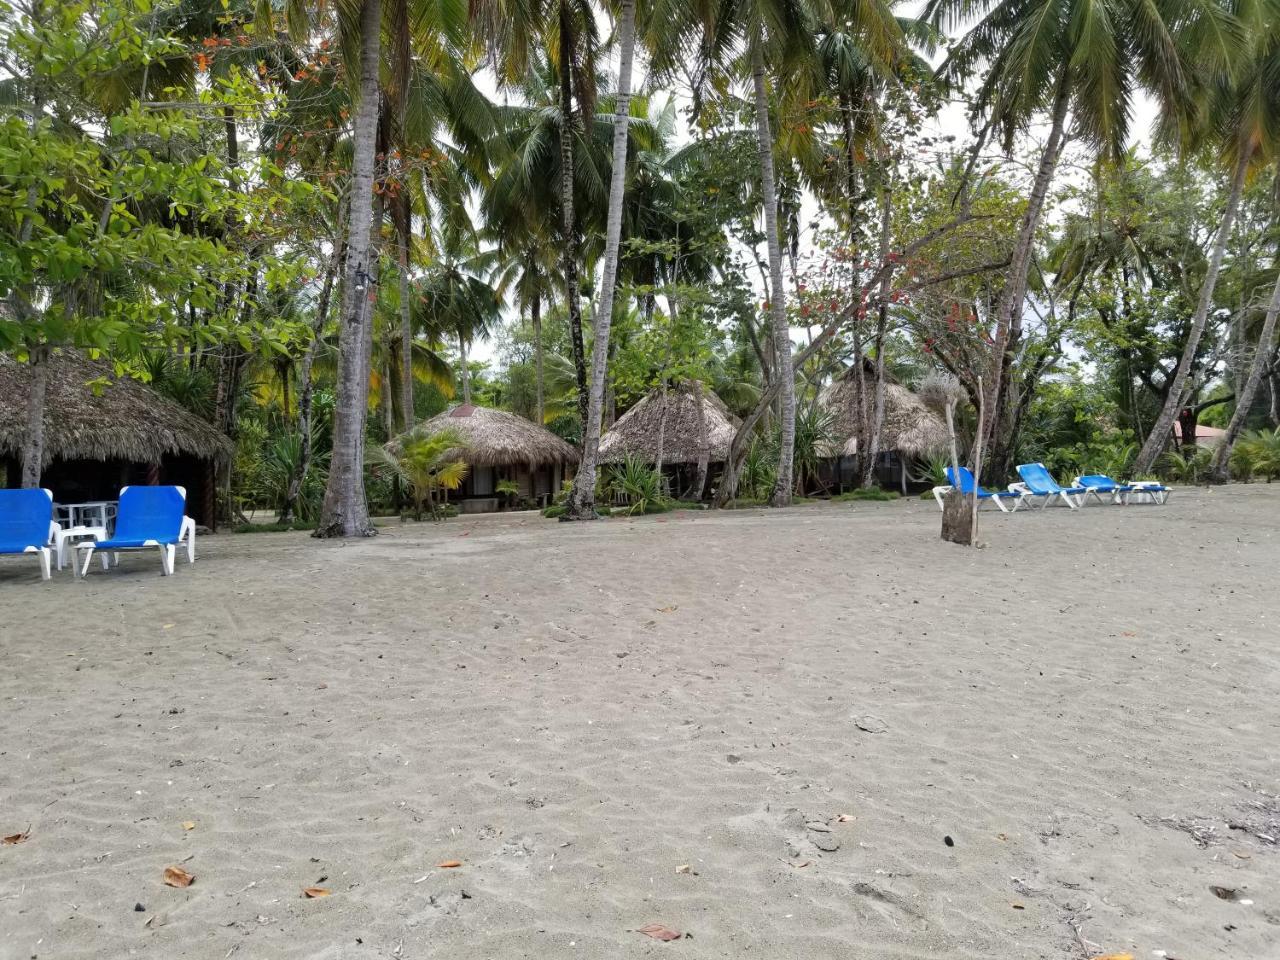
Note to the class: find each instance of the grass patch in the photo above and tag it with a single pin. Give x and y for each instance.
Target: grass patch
(866, 493)
(556, 510)
(272, 527)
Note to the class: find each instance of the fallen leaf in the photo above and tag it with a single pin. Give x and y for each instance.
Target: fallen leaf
(188, 824)
(1017, 906)
(16, 838)
(671, 609)
(802, 864)
(684, 868)
(167, 626)
(1241, 856)
(658, 932)
(1002, 836)
(449, 864)
(312, 893)
(1127, 633)
(177, 877)
(845, 818)
(1223, 893)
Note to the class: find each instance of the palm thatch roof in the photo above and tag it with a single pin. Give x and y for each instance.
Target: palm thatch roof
(910, 427)
(495, 438)
(671, 420)
(124, 420)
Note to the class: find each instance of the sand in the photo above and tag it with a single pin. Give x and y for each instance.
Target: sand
(758, 729)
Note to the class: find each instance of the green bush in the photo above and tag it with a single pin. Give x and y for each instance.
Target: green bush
(866, 493)
(636, 482)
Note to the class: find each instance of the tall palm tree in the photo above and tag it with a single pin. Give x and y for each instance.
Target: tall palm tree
(1057, 58)
(519, 32)
(529, 276)
(581, 502)
(1240, 104)
(345, 512)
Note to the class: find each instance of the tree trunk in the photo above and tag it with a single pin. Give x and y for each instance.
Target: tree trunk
(1009, 309)
(1273, 380)
(782, 489)
(1159, 435)
(704, 444)
(1244, 400)
(306, 386)
(406, 325)
(33, 439)
(581, 503)
(466, 370)
(882, 323)
(346, 511)
(569, 259)
(535, 313)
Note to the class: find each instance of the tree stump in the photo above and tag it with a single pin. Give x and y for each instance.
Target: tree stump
(957, 519)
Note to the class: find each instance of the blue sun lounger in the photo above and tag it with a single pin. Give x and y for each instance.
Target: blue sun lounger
(967, 486)
(26, 524)
(1097, 484)
(1040, 482)
(148, 517)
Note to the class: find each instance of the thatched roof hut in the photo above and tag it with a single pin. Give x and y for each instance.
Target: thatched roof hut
(910, 427)
(123, 420)
(496, 438)
(670, 420)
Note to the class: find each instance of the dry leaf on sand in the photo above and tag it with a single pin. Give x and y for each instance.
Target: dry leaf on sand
(845, 818)
(188, 825)
(13, 838)
(312, 893)
(177, 877)
(449, 864)
(658, 932)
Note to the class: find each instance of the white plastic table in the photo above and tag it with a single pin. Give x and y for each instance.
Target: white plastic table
(75, 535)
(92, 513)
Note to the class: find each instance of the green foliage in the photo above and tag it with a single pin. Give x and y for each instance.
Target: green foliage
(1187, 466)
(758, 472)
(424, 462)
(1259, 454)
(866, 493)
(815, 436)
(638, 484)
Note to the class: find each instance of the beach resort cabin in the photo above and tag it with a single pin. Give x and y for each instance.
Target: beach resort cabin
(677, 427)
(102, 433)
(911, 431)
(502, 447)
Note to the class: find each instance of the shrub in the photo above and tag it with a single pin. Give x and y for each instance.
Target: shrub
(636, 482)
(866, 493)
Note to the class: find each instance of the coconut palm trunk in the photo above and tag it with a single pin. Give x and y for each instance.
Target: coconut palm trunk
(535, 315)
(704, 443)
(466, 370)
(568, 222)
(1159, 435)
(882, 324)
(306, 382)
(346, 512)
(1244, 400)
(1009, 309)
(33, 440)
(581, 504)
(406, 322)
(783, 371)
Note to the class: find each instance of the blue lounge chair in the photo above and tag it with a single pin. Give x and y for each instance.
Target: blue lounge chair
(26, 524)
(1097, 484)
(148, 517)
(1040, 482)
(967, 486)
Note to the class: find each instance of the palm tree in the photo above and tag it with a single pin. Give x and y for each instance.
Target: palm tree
(530, 277)
(455, 299)
(581, 502)
(425, 462)
(1060, 57)
(517, 32)
(1241, 111)
(345, 512)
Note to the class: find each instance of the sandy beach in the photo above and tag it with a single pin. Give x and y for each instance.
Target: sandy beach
(817, 733)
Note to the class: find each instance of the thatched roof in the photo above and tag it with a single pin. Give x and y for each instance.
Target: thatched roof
(126, 420)
(673, 417)
(496, 438)
(910, 427)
